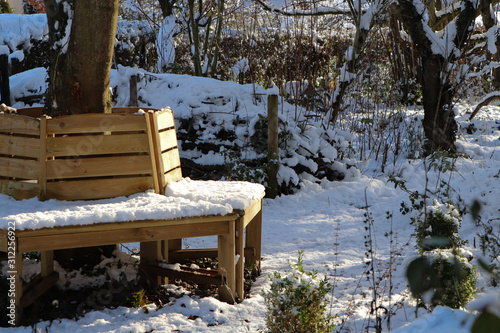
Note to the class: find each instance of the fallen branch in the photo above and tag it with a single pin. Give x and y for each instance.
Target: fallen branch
(485, 101)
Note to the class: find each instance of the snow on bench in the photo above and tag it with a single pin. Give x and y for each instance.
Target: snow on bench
(184, 198)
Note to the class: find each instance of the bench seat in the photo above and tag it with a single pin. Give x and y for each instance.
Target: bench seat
(149, 218)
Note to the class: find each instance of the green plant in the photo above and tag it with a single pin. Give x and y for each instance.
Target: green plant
(138, 299)
(296, 301)
(239, 168)
(442, 277)
(5, 8)
(439, 223)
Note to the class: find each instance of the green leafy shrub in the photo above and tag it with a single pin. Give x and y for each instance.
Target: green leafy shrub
(442, 278)
(439, 222)
(296, 302)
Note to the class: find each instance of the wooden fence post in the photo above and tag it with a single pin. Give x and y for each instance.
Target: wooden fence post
(4, 79)
(272, 143)
(133, 90)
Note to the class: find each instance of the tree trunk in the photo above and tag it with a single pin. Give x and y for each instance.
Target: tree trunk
(80, 68)
(439, 122)
(79, 77)
(489, 22)
(167, 7)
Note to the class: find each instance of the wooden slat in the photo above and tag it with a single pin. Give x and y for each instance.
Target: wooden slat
(97, 144)
(192, 254)
(19, 146)
(98, 167)
(20, 190)
(160, 170)
(74, 229)
(171, 159)
(84, 239)
(99, 122)
(173, 175)
(18, 168)
(42, 174)
(19, 124)
(98, 188)
(168, 139)
(199, 276)
(251, 211)
(165, 119)
(152, 151)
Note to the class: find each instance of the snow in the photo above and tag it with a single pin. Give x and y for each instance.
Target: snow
(241, 67)
(491, 38)
(324, 218)
(185, 198)
(165, 43)
(17, 29)
(18, 55)
(4, 50)
(238, 195)
(326, 221)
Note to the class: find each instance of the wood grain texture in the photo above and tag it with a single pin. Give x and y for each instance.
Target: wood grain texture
(98, 167)
(89, 123)
(19, 146)
(98, 188)
(97, 145)
(10, 123)
(19, 168)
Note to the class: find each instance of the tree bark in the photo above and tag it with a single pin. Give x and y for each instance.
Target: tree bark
(440, 126)
(81, 65)
(439, 122)
(167, 7)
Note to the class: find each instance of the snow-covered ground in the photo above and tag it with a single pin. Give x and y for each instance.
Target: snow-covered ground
(327, 221)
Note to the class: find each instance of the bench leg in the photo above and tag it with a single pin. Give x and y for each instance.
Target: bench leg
(17, 272)
(240, 264)
(150, 254)
(47, 262)
(226, 253)
(254, 240)
(170, 245)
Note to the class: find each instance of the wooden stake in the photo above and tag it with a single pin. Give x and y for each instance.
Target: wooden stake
(272, 142)
(133, 90)
(4, 79)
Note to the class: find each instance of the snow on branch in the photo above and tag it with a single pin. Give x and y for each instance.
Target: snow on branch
(493, 96)
(300, 12)
(447, 14)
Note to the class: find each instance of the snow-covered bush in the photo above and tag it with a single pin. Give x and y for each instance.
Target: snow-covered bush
(442, 277)
(296, 301)
(443, 274)
(437, 226)
(134, 45)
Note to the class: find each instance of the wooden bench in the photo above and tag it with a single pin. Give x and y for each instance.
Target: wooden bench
(102, 156)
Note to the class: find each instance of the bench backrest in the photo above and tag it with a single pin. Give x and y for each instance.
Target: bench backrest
(88, 156)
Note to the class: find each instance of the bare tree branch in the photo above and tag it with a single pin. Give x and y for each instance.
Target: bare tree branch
(299, 12)
(486, 101)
